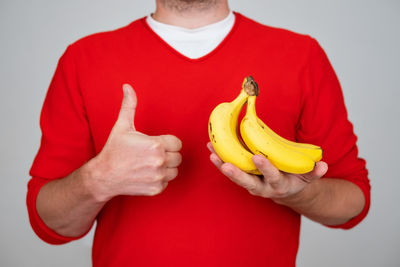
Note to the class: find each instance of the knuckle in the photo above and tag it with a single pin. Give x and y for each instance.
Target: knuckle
(279, 192)
(250, 187)
(159, 161)
(275, 180)
(158, 176)
(252, 192)
(156, 189)
(151, 193)
(156, 145)
(275, 183)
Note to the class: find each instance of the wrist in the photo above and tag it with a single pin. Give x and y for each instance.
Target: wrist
(92, 181)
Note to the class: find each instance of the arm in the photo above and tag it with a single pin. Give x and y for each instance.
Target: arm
(68, 205)
(328, 201)
(131, 163)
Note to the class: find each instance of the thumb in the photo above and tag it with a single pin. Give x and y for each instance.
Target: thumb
(320, 170)
(128, 108)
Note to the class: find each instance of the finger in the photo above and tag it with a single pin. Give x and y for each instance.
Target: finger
(173, 159)
(164, 184)
(216, 160)
(171, 173)
(271, 174)
(170, 143)
(210, 147)
(128, 108)
(156, 188)
(319, 170)
(250, 182)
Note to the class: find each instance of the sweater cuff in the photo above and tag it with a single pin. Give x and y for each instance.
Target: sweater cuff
(41, 229)
(365, 188)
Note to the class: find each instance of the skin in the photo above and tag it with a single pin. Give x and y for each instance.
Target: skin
(133, 163)
(190, 13)
(327, 201)
(130, 163)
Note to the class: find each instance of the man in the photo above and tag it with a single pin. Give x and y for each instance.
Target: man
(117, 164)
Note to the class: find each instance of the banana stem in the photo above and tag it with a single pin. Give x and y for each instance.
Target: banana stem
(250, 86)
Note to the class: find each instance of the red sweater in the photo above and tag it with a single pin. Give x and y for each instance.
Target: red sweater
(202, 218)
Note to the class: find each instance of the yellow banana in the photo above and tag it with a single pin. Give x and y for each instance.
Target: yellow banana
(313, 151)
(260, 141)
(223, 133)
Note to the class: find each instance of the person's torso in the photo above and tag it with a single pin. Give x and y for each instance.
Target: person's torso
(202, 218)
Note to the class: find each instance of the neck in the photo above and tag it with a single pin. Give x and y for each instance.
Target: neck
(190, 14)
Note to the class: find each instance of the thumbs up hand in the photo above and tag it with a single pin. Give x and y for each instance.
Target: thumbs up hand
(133, 163)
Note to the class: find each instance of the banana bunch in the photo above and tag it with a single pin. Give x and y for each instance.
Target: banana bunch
(256, 137)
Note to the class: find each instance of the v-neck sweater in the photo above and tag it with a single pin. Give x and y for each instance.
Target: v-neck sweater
(202, 218)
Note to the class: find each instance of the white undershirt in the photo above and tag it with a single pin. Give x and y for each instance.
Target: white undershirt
(193, 43)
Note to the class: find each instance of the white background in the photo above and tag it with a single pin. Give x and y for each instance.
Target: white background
(361, 37)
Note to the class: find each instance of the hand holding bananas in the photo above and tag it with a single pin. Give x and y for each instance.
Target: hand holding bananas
(290, 170)
(258, 138)
(275, 184)
(287, 166)
(132, 163)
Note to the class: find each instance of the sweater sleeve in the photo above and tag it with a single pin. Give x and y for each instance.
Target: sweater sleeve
(324, 121)
(66, 142)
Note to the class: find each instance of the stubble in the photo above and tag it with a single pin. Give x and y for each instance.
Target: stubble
(189, 5)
